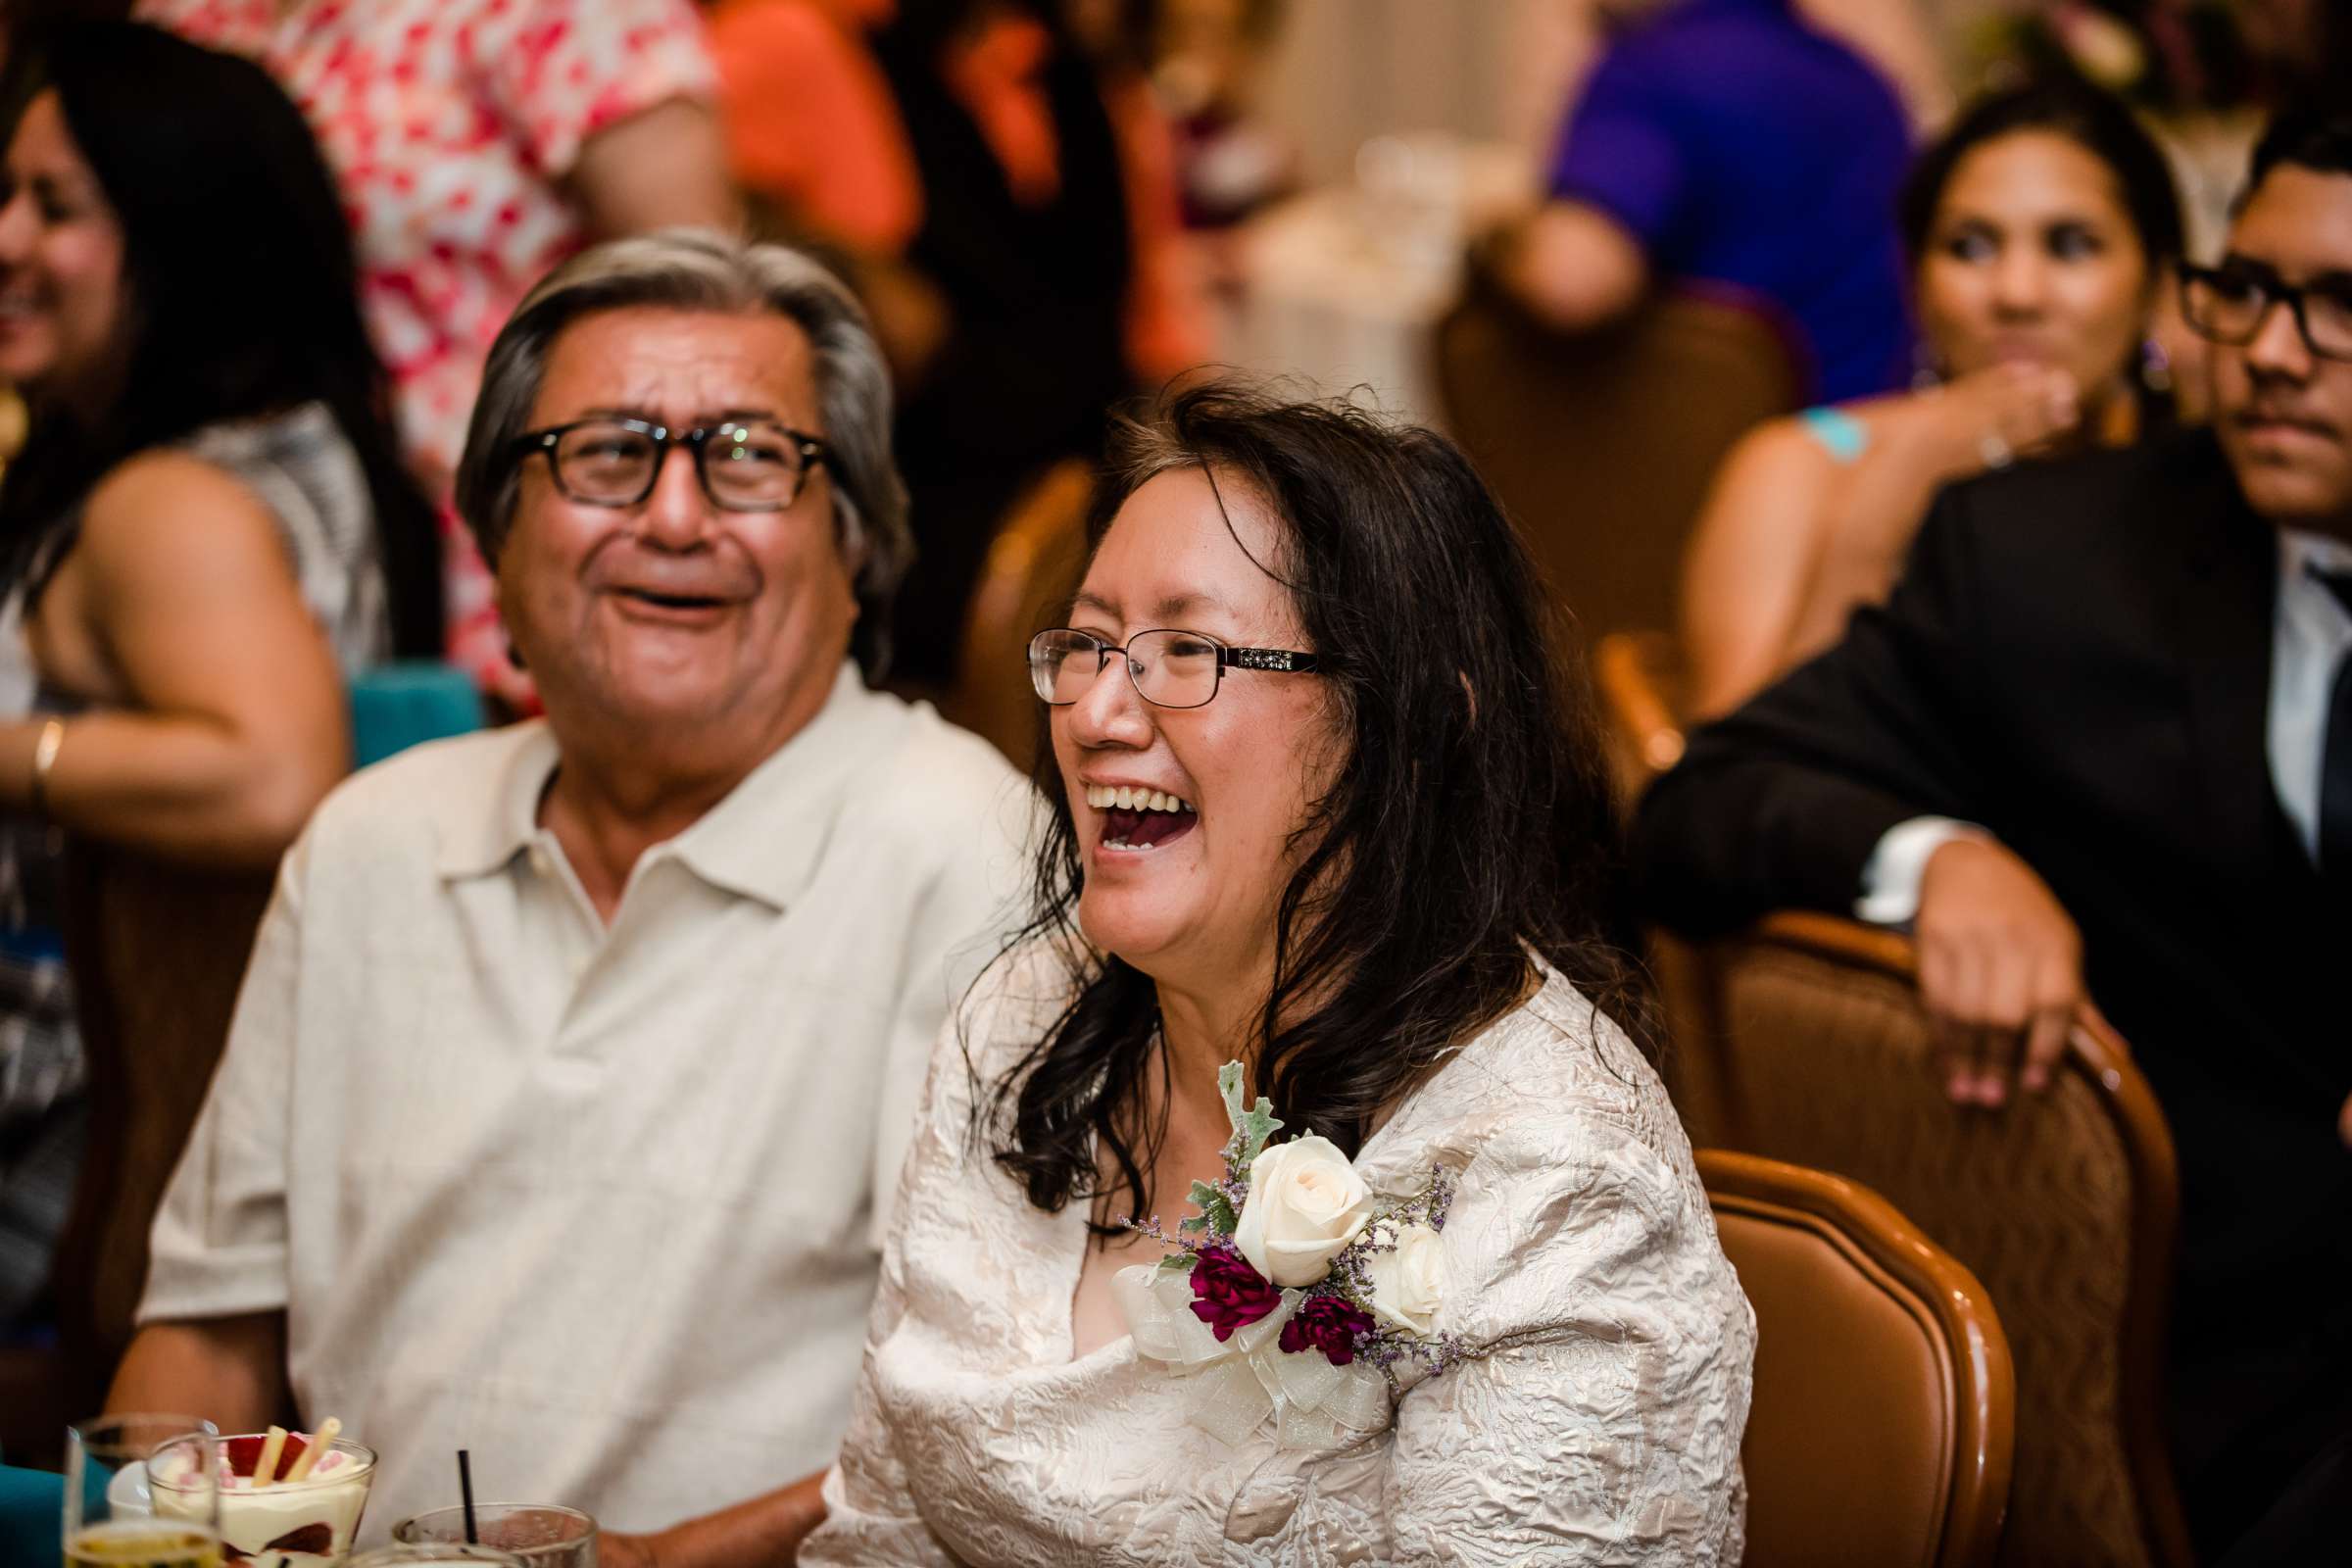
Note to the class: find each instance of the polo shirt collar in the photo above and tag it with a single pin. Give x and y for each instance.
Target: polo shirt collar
(763, 841)
(481, 836)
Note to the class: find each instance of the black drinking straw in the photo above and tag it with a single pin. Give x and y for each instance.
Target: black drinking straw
(465, 1489)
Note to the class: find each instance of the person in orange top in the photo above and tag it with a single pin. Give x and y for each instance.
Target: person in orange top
(809, 120)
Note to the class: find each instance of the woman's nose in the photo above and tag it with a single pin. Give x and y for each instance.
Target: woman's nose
(1111, 711)
(2019, 282)
(17, 229)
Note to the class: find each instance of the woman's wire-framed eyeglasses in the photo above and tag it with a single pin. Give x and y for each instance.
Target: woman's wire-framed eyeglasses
(1170, 667)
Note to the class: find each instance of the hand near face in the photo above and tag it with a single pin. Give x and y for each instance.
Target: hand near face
(2017, 408)
(2000, 970)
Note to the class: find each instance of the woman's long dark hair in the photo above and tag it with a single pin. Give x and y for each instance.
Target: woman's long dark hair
(1470, 821)
(239, 287)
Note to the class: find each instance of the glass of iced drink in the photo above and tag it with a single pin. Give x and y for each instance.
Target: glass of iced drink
(541, 1535)
(106, 1522)
(289, 1498)
(438, 1554)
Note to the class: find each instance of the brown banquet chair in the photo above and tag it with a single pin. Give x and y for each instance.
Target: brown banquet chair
(1031, 569)
(1601, 445)
(1810, 1033)
(1640, 679)
(1880, 1427)
(157, 952)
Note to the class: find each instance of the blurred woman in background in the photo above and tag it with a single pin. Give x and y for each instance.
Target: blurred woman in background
(1050, 228)
(2041, 231)
(478, 143)
(208, 531)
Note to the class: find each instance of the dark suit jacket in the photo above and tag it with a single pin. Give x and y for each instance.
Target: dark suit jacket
(2077, 658)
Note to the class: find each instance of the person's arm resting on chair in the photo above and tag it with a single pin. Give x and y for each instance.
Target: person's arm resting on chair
(1813, 795)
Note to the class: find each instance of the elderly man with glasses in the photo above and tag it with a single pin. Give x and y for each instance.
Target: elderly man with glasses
(572, 1077)
(2099, 745)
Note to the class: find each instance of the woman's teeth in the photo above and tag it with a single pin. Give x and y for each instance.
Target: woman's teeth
(1106, 798)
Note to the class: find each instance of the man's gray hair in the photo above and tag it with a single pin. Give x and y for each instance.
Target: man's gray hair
(697, 270)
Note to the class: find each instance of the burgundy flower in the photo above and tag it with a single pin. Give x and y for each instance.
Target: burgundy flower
(1228, 1293)
(1326, 1323)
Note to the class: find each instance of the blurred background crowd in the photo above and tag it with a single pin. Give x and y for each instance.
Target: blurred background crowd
(1718, 292)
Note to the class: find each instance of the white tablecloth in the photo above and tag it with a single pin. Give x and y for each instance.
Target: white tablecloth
(1341, 287)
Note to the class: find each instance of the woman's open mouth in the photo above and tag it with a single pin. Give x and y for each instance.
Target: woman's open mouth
(1136, 819)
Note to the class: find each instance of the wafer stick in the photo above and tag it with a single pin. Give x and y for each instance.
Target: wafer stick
(264, 1469)
(320, 1440)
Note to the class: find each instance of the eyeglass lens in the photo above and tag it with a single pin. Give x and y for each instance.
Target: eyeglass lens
(755, 465)
(2230, 305)
(1169, 668)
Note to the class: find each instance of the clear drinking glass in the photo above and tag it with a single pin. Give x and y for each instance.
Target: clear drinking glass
(308, 1523)
(437, 1554)
(541, 1535)
(109, 1522)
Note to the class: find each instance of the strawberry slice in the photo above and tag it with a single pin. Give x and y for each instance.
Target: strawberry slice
(313, 1538)
(245, 1455)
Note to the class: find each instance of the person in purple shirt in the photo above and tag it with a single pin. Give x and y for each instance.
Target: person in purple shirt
(1726, 142)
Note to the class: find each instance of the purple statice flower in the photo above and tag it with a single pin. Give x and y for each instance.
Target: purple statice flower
(1327, 1323)
(1228, 1293)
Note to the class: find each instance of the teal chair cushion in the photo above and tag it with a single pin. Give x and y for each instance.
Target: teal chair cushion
(394, 707)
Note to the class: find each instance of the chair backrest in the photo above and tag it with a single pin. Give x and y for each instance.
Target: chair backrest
(2063, 1205)
(1880, 1427)
(157, 952)
(1033, 564)
(1601, 446)
(1641, 678)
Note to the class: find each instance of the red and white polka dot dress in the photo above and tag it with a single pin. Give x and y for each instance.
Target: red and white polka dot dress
(450, 124)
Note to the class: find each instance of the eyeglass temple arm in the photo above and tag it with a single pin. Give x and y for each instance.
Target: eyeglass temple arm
(1276, 659)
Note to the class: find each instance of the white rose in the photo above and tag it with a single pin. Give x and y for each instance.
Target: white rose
(1408, 1285)
(1305, 1205)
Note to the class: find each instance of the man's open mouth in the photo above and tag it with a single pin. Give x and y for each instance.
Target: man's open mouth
(670, 601)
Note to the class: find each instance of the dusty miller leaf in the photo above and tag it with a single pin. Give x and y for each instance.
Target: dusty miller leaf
(1216, 1207)
(1253, 1128)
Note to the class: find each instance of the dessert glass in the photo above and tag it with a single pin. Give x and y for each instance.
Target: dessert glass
(305, 1522)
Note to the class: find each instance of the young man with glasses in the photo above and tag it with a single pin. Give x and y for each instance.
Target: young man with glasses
(572, 1078)
(2099, 745)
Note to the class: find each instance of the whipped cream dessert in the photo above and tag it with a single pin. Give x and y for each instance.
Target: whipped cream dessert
(303, 1513)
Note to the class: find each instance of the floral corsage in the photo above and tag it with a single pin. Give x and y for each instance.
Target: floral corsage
(1294, 1292)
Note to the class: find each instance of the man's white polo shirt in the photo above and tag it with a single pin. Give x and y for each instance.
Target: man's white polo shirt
(603, 1205)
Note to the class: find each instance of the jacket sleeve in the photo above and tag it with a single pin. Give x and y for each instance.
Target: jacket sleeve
(1780, 804)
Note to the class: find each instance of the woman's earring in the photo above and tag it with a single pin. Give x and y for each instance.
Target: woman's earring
(2155, 366)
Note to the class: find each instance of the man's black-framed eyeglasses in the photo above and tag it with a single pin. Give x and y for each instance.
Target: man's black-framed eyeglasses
(2229, 304)
(743, 464)
(1170, 668)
